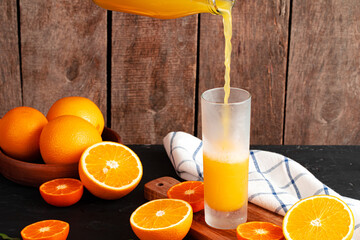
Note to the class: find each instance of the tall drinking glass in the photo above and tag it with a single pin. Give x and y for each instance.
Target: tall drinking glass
(226, 139)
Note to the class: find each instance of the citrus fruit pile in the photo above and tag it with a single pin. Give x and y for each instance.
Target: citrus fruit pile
(71, 125)
(71, 134)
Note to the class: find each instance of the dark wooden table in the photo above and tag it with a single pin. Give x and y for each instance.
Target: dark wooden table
(93, 218)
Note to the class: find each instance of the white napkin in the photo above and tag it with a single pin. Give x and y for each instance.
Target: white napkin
(275, 181)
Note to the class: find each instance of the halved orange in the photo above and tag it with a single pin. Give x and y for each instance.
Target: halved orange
(46, 230)
(162, 219)
(62, 192)
(319, 217)
(190, 191)
(110, 170)
(259, 231)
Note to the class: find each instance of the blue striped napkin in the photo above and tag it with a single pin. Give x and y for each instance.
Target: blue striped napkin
(275, 181)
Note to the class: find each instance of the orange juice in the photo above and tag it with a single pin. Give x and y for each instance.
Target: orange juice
(164, 9)
(225, 10)
(225, 156)
(226, 175)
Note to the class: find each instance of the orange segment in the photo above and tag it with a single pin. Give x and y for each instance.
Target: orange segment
(62, 192)
(190, 191)
(47, 229)
(259, 231)
(319, 217)
(110, 170)
(162, 219)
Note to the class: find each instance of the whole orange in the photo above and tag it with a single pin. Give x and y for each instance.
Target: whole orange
(20, 130)
(78, 106)
(65, 138)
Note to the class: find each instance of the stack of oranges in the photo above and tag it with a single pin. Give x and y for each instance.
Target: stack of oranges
(71, 134)
(71, 125)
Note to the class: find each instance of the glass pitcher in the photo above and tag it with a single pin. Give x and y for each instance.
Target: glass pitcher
(165, 9)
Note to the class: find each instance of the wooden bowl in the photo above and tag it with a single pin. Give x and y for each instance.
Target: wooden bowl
(35, 174)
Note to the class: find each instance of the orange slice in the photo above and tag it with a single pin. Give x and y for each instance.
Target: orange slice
(190, 191)
(162, 219)
(319, 217)
(46, 230)
(110, 170)
(259, 231)
(62, 192)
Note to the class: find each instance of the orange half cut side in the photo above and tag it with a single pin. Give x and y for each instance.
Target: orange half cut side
(189, 191)
(162, 219)
(319, 217)
(46, 229)
(259, 231)
(62, 192)
(110, 170)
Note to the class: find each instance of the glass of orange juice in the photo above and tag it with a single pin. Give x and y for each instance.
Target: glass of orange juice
(226, 139)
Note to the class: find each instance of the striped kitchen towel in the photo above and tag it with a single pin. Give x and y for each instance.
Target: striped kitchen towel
(275, 181)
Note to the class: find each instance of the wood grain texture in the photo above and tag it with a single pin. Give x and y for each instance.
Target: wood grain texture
(153, 77)
(10, 83)
(63, 46)
(157, 189)
(259, 58)
(324, 84)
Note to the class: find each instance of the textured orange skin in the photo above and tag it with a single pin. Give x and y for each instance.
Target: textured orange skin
(20, 130)
(78, 106)
(65, 138)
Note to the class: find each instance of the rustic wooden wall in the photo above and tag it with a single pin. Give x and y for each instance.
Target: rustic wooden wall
(324, 73)
(299, 59)
(153, 76)
(63, 51)
(258, 64)
(10, 82)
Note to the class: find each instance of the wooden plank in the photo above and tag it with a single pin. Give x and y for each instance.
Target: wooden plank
(10, 83)
(153, 77)
(63, 46)
(324, 83)
(259, 58)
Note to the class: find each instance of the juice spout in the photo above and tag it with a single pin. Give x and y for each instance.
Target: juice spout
(217, 7)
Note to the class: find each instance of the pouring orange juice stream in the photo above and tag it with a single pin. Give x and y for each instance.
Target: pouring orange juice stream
(225, 173)
(222, 172)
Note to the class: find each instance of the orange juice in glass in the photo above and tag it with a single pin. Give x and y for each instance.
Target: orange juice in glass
(226, 139)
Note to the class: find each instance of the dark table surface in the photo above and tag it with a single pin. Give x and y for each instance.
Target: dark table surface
(94, 218)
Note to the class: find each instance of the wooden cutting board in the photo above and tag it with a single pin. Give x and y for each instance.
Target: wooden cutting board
(199, 229)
